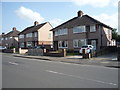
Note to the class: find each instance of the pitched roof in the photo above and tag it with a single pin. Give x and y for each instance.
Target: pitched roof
(13, 33)
(32, 28)
(76, 21)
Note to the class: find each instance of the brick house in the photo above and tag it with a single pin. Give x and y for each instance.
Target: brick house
(81, 30)
(10, 39)
(36, 35)
(1, 39)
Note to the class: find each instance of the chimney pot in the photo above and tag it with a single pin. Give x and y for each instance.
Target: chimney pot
(14, 28)
(3, 33)
(36, 23)
(80, 13)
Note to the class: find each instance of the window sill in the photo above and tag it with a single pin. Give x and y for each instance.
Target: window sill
(61, 35)
(62, 47)
(77, 47)
(79, 32)
(92, 31)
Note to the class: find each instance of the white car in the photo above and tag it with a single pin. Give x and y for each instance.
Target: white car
(2, 48)
(88, 48)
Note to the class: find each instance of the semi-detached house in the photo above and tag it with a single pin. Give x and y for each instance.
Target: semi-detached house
(36, 35)
(10, 39)
(81, 30)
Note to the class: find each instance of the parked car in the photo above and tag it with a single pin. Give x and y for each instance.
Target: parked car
(88, 48)
(2, 48)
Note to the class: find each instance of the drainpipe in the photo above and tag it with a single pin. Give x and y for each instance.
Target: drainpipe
(101, 35)
(87, 29)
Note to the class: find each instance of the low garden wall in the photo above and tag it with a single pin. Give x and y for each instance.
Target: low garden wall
(59, 53)
(36, 52)
(107, 50)
(23, 51)
(8, 51)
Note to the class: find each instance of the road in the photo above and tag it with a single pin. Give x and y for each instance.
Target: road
(33, 73)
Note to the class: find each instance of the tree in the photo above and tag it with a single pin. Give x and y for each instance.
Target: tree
(115, 35)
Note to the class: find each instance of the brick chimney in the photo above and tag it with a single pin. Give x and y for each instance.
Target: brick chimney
(36, 23)
(80, 13)
(14, 28)
(3, 33)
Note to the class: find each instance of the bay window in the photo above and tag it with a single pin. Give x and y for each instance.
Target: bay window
(62, 44)
(29, 44)
(22, 44)
(79, 42)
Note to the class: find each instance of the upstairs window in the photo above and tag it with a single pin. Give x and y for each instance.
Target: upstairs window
(79, 29)
(21, 36)
(35, 34)
(2, 38)
(56, 33)
(61, 32)
(29, 35)
(6, 38)
(92, 28)
(10, 37)
(50, 35)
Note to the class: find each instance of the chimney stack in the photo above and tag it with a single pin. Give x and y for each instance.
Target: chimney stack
(36, 23)
(14, 28)
(80, 13)
(3, 33)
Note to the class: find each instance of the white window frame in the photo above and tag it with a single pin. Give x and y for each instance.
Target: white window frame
(56, 33)
(76, 41)
(65, 44)
(79, 29)
(22, 44)
(92, 28)
(21, 36)
(10, 37)
(29, 35)
(29, 43)
(61, 32)
(6, 38)
(2, 38)
(50, 35)
(35, 34)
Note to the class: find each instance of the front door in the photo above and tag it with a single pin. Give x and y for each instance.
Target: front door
(55, 45)
(93, 42)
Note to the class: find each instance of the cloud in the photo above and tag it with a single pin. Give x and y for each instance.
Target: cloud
(55, 22)
(28, 14)
(96, 3)
(111, 20)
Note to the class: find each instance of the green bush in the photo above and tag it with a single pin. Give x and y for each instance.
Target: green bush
(12, 47)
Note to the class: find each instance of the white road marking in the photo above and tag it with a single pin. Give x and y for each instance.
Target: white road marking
(81, 77)
(13, 63)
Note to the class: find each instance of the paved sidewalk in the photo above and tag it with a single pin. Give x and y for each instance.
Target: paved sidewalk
(107, 61)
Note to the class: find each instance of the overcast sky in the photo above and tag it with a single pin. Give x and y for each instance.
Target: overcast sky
(23, 14)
